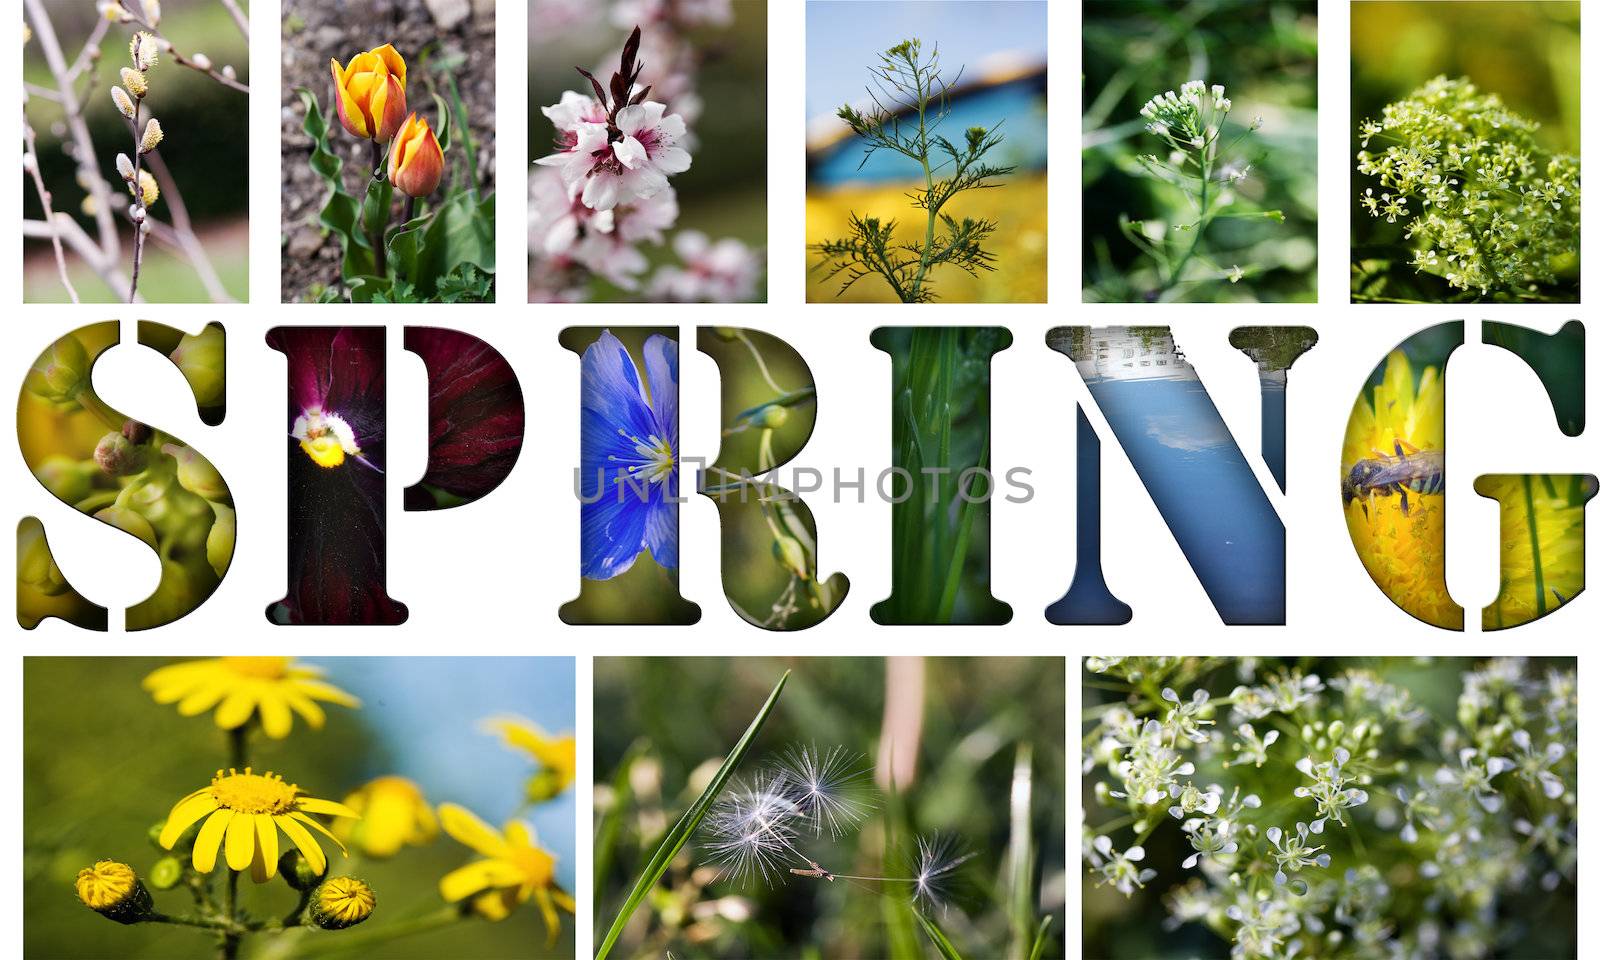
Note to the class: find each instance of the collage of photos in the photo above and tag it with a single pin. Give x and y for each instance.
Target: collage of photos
(1372, 775)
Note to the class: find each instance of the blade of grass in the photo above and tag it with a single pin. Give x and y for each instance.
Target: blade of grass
(897, 911)
(605, 834)
(687, 824)
(1020, 882)
(1041, 938)
(941, 942)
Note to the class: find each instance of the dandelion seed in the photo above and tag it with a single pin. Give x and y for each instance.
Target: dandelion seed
(752, 831)
(825, 787)
(937, 860)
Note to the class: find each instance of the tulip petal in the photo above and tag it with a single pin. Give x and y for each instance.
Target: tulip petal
(393, 62)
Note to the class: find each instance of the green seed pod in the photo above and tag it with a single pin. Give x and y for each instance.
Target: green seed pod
(791, 555)
(166, 873)
(129, 521)
(196, 473)
(117, 456)
(201, 358)
(219, 540)
(35, 566)
(60, 372)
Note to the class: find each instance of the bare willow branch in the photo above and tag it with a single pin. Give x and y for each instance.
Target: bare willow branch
(180, 235)
(84, 246)
(32, 163)
(172, 51)
(239, 17)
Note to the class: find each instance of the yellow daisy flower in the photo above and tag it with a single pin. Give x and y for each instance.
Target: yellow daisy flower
(1403, 551)
(1541, 543)
(113, 889)
(393, 812)
(556, 756)
(515, 871)
(245, 687)
(243, 813)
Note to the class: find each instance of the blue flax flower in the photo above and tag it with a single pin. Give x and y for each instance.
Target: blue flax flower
(629, 456)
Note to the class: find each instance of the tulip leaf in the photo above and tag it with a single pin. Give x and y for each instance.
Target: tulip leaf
(426, 249)
(341, 213)
(441, 129)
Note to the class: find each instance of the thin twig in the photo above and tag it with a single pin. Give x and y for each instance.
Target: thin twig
(138, 195)
(44, 201)
(182, 231)
(83, 245)
(179, 58)
(239, 17)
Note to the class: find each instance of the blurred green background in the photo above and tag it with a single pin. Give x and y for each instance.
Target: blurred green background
(1527, 52)
(1265, 53)
(206, 148)
(1116, 927)
(670, 721)
(102, 762)
(724, 192)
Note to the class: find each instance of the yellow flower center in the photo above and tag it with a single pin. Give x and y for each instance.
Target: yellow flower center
(325, 437)
(347, 899)
(253, 792)
(259, 668)
(105, 884)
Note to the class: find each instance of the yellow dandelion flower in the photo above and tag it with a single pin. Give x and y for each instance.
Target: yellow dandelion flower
(341, 902)
(1402, 546)
(394, 813)
(245, 687)
(557, 756)
(113, 890)
(516, 870)
(1541, 543)
(243, 813)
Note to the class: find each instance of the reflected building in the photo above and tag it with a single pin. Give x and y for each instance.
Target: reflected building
(1125, 353)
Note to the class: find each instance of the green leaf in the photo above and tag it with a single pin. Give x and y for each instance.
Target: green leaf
(441, 127)
(426, 249)
(1041, 938)
(941, 942)
(341, 213)
(376, 208)
(688, 823)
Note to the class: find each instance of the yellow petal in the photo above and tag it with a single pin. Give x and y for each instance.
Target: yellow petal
(276, 721)
(330, 807)
(200, 698)
(465, 827)
(305, 841)
(463, 882)
(304, 706)
(393, 62)
(205, 845)
(184, 814)
(236, 709)
(322, 830)
(241, 841)
(320, 690)
(267, 846)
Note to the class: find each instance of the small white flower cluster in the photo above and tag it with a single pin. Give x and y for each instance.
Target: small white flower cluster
(1189, 119)
(1470, 808)
(605, 192)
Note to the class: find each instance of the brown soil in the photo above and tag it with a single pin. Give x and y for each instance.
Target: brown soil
(315, 31)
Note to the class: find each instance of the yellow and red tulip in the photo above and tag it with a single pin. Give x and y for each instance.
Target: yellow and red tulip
(416, 162)
(371, 93)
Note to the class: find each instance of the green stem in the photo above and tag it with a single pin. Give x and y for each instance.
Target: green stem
(376, 230)
(351, 943)
(927, 174)
(238, 753)
(1533, 542)
(90, 401)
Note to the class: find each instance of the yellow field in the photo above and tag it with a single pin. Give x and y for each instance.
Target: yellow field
(1020, 243)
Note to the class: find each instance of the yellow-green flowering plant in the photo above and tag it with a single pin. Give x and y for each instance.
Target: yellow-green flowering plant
(441, 249)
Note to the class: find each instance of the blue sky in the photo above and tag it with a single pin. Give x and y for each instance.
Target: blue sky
(427, 710)
(844, 38)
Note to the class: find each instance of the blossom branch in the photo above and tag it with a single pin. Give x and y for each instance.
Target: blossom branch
(31, 161)
(198, 62)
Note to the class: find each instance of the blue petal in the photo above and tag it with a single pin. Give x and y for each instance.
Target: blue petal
(611, 387)
(661, 365)
(661, 530)
(612, 534)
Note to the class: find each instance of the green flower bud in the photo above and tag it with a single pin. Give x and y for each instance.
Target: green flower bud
(297, 871)
(114, 891)
(35, 566)
(219, 541)
(196, 473)
(200, 357)
(64, 477)
(154, 834)
(341, 902)
(60, 372)
(771, 416)
(544, 786)
(117, 456)
(129, 521)
(166, 873)
(791, 555)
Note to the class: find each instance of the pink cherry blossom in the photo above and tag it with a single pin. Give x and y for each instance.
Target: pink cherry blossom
(615, 163)
(721, 272)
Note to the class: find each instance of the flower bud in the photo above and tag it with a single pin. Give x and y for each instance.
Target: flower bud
(129, 521)
(200, 60)
(771, 416)
(64, 477)
(114, 891)
(544, 786)
(136, 431)
(152, 12)
(791, 555)
(370, 93)
(142, 51)
(416, 162)
(117, 456)
(200, 358)
(297, 871)
(60, 372)
(166, 873)
(229, 72)
(152, 136)
(341, 902)
(35, 566)
(196, 473)
(220, 538)
(125, 167)
(135, 82)
(124, 103)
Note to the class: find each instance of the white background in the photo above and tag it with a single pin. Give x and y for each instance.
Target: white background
(488, 578)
